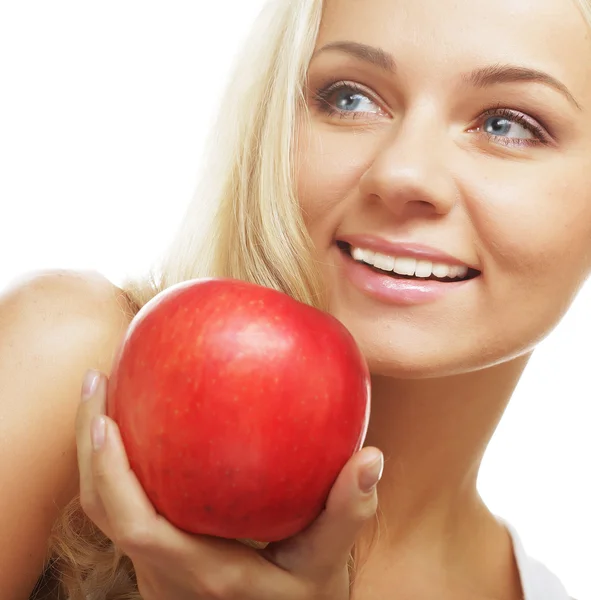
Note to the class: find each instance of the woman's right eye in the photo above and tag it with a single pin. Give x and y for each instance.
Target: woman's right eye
(347, 100)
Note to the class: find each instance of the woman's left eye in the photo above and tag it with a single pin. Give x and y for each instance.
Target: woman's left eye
(346, 100)
(511, 128)
(506, 127)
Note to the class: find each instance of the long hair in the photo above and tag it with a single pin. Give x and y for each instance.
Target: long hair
(244, 222)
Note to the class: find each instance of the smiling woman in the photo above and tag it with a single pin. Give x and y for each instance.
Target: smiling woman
(446, 148)
(402, 165)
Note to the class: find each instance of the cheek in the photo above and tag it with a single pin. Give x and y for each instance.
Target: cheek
(536, 248)
(535, 229)
(328, 169)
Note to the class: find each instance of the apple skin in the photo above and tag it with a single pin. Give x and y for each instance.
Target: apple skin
(238, 407)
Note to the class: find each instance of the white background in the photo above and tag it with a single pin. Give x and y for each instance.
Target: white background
(104, 108)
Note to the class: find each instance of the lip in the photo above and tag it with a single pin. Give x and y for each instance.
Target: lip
(406, 249)
(391, 290)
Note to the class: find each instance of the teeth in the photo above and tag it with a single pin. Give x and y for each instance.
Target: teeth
(381, 261)
(409, 266)
(366, 256)
(405, 266)
(457, 271)
(358, 254)
(462, 272)
(424, 268)
(441, 270)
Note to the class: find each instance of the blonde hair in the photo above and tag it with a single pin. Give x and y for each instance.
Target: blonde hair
(244, 223)
(247, 209)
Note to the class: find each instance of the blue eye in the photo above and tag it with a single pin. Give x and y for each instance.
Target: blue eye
(512, 128)
(350, 102)
(346, 99)
(507, 127)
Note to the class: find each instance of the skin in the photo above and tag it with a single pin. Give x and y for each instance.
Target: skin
(415, 166)
(409, 161)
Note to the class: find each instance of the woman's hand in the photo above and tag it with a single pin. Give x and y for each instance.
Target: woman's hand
(171, 564)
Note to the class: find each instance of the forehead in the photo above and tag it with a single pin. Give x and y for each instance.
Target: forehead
(444, 36)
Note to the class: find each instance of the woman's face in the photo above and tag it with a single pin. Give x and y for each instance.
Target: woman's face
(450, 140)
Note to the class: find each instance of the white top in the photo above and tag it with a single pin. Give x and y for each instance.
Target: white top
(538, 582)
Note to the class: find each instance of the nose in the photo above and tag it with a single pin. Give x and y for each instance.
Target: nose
(410, 172)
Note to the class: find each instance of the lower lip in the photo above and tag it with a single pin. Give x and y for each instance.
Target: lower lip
(396, 291)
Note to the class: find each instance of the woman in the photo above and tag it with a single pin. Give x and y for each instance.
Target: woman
(417, 168)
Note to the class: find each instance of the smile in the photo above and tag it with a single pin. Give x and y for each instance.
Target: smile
(408, 267)
(400, 279)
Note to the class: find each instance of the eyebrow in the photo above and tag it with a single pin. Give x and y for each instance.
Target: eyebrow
(481, 77)
(373, 55)
(486, 76)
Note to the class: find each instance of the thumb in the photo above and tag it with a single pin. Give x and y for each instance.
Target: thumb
(325, 546)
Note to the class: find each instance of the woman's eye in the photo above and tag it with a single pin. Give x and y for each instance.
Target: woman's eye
(512, 128)
(346, 100)
(354, 102)
(505, 127)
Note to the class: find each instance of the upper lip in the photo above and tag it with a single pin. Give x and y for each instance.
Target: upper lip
(407, 249)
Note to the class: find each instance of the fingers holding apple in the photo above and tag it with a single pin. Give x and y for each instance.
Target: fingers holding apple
(171, 563)
(168, 562)
(109, 491)
(322, 550)
(234, 412)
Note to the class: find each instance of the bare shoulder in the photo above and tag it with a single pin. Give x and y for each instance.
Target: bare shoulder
(86, 291)
(54, 325)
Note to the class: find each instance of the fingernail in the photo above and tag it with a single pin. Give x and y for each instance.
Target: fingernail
(98, 430)
(372, 472)
(91, 381)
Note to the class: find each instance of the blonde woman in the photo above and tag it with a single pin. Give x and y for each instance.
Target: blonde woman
(420, 170)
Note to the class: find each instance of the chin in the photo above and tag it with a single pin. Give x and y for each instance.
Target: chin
(426, 346)
(414, 354)
(408, 368)
(408, 362)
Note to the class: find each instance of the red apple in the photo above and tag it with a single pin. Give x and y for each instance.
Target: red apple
(238, 407)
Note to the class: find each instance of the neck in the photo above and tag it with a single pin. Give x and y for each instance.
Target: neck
(433, 433)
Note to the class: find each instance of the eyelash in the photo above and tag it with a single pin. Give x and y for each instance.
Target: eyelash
(540, 135)
(323, 95)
